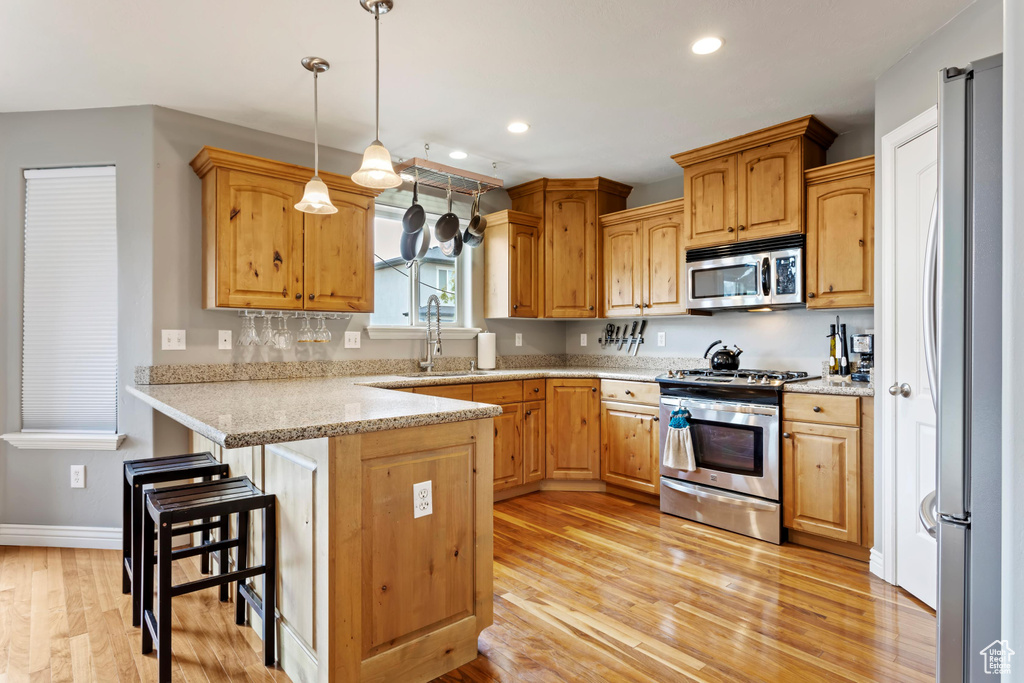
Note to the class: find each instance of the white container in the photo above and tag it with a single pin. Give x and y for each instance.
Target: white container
(485, 350)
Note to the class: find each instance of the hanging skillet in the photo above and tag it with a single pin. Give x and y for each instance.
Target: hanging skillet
(471, 238)
(415, 216)
(477, 223)
(414, 245)
(452, 247)
(448, 224)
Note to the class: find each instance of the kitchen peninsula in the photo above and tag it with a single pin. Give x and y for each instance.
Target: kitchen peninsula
(372, 586)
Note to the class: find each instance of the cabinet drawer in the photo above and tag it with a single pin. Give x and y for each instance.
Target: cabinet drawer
(460, 392)
(631, 392)
(821, 408)
(533, 390)
(498, 392)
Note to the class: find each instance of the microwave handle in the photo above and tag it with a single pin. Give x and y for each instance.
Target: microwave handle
(766, 277)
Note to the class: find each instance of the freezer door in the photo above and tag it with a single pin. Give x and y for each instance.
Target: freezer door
(951, 645)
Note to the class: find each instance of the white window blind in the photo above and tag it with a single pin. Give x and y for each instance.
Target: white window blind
(69, 353)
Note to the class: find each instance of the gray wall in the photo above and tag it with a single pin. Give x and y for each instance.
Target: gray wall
(35, 483)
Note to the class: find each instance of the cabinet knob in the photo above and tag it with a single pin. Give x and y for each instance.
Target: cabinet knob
(312, 296)
(593, 389)
(785, 435)
(298, 297)
(628, 392)
(861, 242)
(636, 305)
(830, 288)
(528, 413)
(729, 229)
(810, 295)
(536, 390)
(816, 409)
(655, 419)
(515, 307)
(591, 308)
(743, 227)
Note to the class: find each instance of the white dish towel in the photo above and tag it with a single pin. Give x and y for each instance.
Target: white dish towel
(678, 453)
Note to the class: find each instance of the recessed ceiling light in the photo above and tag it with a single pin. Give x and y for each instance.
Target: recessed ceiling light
(706, 46)
(458, 154)
(518, 127)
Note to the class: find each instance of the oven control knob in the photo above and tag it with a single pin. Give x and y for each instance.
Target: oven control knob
(751, 379)
(764, 379)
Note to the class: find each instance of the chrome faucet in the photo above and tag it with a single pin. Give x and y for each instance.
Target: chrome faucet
(433, 342)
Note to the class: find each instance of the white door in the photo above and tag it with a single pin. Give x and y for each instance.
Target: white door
(916, 181)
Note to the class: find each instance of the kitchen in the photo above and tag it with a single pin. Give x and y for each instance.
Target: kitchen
(592, 289)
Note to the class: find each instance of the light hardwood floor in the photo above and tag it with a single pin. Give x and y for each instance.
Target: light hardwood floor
(588, 587)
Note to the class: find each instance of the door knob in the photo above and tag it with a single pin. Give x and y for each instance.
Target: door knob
(900, 390)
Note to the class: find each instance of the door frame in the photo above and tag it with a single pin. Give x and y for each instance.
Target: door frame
(883, 555)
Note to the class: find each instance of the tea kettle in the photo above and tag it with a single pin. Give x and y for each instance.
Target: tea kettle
(724, 358)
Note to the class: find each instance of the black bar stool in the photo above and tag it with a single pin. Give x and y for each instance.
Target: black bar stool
(169, 506)
(137, 475)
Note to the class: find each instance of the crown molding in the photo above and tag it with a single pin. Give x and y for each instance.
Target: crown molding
(642, 212)
(841, 170)
(596, 183)
(806, 126)
(507, 216)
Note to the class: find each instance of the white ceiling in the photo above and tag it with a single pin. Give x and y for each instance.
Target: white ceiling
(610, 87)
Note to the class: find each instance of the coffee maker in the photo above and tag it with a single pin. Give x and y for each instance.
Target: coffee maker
(864, 346)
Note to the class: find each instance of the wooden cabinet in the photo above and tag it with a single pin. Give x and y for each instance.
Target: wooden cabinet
(752, 186)
(629, 446)
(260, 252)
(644, 261)
(534, 444)
(512, 265)
(841, 234)
(508, 447)
(573, 429)
(821, 480)
(571, 257)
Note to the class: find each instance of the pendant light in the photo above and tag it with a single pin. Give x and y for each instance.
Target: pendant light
(316, 198)
(377, 171)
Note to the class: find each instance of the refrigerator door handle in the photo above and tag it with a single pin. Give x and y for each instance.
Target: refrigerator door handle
(952, 285)
(926, 513)
(928, 302)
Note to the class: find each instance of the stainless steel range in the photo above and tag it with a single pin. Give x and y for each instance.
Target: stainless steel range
(735, 418)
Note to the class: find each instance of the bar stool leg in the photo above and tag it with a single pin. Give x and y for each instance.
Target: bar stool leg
(126, 535)
(164, 562)
(269, 583)
(224, 567)
(142, 571)
(243, 562)
(204, 538)
(138, 509)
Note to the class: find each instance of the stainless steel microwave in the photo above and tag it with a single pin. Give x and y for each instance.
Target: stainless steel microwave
(765, 273)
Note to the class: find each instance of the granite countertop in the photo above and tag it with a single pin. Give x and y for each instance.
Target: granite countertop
(829, 386)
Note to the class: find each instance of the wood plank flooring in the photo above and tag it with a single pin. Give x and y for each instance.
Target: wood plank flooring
(588, 587)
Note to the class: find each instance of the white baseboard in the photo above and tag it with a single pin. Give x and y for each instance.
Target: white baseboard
(100, 537)
(877, 565)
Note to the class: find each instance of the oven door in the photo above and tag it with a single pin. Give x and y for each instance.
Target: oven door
(736, 445)
(730, 282)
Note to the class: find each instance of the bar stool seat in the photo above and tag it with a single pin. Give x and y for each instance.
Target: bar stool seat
(168, 506)
(147, 471)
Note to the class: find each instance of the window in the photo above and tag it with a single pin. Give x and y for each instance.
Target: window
(398, 301)
(69, 347)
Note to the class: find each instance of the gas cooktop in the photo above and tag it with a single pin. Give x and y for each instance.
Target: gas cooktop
(710, 378)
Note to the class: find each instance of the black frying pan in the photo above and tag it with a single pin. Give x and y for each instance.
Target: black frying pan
(447, 225)
(415, 217)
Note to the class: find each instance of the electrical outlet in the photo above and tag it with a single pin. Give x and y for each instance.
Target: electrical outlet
(78, 476)
(352, 340)
(661, 339)
(519, 338)
(422, 499)
(172, 340)
(583, 339)
(224, 340)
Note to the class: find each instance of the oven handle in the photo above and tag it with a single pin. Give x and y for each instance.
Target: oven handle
(730, 499)
(747, 408)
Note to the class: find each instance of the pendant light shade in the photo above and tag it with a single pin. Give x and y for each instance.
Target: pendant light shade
(316, 198)
(377, 172)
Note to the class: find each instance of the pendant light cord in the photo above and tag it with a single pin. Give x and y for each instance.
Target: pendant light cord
(376, 24)
(316, 127)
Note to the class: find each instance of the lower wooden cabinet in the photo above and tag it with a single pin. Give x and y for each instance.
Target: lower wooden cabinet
(821, 480)
(629, 446)
(573, 429)
(508, 447)
(534, 429)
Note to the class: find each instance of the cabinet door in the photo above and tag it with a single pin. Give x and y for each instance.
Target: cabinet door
(524, 271)
(622, 265)
(664, 270)
(534, 446)
(570, 254)
(259, 242)
(821, 480)
(629, 446)
(770, 190)
(710, 202)
(339, 257)
(841, 243)
(574, 429)
(508, 447)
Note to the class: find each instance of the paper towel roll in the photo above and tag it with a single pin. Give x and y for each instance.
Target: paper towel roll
(485, 345)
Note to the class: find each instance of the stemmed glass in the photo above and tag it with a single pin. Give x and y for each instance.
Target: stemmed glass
(322, 334)
(266, 337)
(283, 337)
(248, 337)
(305, 331)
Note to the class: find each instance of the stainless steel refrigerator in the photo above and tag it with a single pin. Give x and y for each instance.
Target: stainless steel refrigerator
(968, 361)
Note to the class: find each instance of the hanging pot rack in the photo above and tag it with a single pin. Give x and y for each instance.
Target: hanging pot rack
(433, 174)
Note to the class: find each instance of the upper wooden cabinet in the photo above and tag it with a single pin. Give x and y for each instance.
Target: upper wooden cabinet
(841, 234)
(644, 261)
(751, 187)
(512, 265)
(260, 252)
(573, 429)
(571, 256)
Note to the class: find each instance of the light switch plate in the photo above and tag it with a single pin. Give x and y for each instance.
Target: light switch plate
(224, 340)
(661, 339)
(422, 499)
(519, 338)
(78, 476)
(583, 339)
(352, 340)
(172, 340)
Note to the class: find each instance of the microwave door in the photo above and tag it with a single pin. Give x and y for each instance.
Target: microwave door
(729, 282)
(787, 277)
